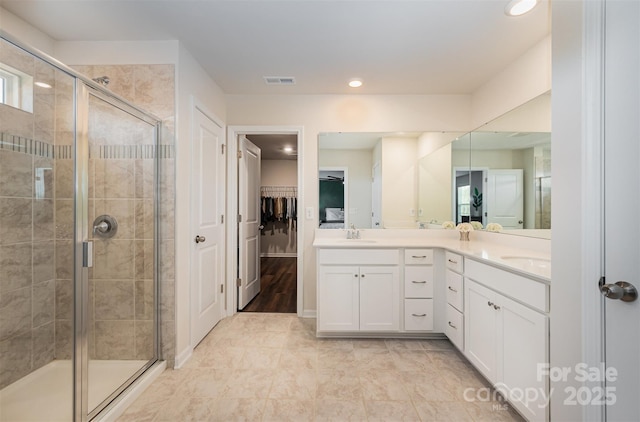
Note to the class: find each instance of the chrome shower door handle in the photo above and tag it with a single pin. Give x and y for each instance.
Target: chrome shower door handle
(200, 239)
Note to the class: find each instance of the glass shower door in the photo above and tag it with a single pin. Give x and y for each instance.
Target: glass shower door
(120, 337)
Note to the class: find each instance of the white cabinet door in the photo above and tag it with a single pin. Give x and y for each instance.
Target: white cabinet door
(379, 299)
(522, 347)
(338, 298)
(481, 335)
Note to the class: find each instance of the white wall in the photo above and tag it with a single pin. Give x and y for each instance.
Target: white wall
(25, 33)
(435, 185)
(342, 113)
(567, 150)
(526, 78)
(399, 182)
(279, 173)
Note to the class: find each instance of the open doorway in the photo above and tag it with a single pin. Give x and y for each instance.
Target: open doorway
(278, 236)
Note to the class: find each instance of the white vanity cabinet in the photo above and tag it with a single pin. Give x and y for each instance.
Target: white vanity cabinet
(362, 296)
(418, 290)
(506, 334)
(454, 329)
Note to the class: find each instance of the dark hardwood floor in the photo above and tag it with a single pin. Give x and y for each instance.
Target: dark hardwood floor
(278, 286)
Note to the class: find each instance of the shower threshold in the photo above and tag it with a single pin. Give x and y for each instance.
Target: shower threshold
(47, 393)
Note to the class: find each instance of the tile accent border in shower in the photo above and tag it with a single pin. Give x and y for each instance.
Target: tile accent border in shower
(104, 152)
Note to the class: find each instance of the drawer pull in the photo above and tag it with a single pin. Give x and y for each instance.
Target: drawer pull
(419, 315)
(452, 261)
(453, 290)
(362, 276)
(418, 282)
(418, 257)
(452, 326)
(355, 275)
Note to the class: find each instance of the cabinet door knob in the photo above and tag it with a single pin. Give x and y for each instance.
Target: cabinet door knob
(452, 326)
(362, 276)
(496, 307)
(453, 290)
(355, 275)
(452, 261)
(490, 303)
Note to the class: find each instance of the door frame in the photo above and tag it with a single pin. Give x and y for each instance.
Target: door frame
(592, 187)
(232, 207)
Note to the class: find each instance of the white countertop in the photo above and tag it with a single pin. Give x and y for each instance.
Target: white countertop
(503, 251)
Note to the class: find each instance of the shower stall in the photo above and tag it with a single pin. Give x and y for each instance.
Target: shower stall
(78, 241)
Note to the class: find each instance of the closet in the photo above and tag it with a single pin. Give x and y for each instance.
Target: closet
(279, 206)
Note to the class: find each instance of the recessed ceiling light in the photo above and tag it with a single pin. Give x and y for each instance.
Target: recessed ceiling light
(42, 84)
(288, 149)
(519, 7)
(355, 83)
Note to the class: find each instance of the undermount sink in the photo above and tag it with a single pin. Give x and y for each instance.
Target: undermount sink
(357, 241)
(528, 261)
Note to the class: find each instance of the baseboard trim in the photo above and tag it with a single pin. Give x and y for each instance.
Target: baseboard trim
(182, 358)
(278, 255)
(309, 313)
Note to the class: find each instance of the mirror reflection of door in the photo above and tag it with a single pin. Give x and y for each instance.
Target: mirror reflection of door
(333, 198)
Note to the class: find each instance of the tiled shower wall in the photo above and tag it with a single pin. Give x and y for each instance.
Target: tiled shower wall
(36, 225)
(28, 251)
(119, 334)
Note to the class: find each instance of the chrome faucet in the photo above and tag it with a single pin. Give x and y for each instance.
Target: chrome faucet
(353, 233)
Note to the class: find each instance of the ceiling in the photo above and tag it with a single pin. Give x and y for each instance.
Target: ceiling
(272, 146)
(394, 46)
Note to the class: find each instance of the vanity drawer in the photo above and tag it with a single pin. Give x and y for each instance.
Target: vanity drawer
(454, 261)
(455, 290)
(418, 256)
(530, 292)
(358, 257)
(454, 328)
(418, 314)
(418, 281)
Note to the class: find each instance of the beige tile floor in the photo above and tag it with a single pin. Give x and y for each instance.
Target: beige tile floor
(271, 367)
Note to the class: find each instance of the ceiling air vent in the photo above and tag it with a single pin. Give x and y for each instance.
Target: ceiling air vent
(280, 80)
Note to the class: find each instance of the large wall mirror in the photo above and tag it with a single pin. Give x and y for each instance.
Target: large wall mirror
(498, 173)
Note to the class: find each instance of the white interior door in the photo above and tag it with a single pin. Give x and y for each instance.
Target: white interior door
(505, 198)
(207, 232)
(622, 202)
(248, 227)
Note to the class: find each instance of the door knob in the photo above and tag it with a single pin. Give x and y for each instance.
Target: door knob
(620, 290)
(520, 221)
(200, 239)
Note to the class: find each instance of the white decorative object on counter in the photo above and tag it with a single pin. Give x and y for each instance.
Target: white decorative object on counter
(448, 225)
(494, 227)
(464, 229)
(477, 225)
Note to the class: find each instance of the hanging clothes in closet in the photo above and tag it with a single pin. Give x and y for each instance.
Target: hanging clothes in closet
(278, 203)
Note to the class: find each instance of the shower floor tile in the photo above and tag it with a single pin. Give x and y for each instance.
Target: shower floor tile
(46, 394)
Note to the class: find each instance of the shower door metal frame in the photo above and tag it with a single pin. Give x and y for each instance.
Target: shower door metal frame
(84, 245)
